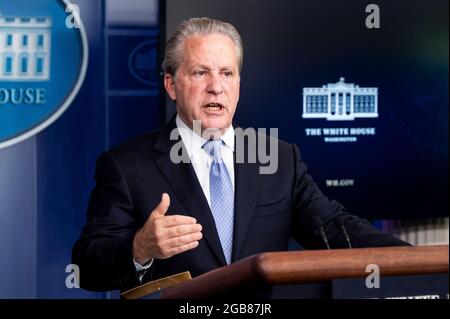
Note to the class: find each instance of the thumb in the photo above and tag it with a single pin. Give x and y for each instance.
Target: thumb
(163, 205)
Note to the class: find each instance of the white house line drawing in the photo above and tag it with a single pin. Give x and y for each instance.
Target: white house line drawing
(25, 47)
(340, 101)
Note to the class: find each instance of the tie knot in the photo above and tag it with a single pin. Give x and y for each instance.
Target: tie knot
(212, 147)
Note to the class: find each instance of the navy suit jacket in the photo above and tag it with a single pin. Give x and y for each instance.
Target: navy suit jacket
(269, 209)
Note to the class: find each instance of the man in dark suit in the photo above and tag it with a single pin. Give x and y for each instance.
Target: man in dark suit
(181, 199)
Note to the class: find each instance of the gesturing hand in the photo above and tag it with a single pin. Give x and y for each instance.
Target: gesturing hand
(163, 236)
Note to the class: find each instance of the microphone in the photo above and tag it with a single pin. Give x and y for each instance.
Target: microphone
(338, 221)
(318, 225)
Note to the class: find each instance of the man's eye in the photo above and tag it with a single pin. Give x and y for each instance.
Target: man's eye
(199, 73)
(228, 73)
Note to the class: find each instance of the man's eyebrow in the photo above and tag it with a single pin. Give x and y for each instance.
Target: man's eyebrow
(203, 66)
(228, 67)
(200, 66)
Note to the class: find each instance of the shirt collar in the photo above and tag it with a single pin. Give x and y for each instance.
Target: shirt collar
(194, 142)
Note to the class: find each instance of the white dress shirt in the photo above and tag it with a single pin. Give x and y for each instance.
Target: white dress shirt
(201, 162)
(200, 159)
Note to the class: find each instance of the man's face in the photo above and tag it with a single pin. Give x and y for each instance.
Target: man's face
(206, 84)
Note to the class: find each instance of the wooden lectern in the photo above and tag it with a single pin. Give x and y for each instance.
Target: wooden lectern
(311, 266)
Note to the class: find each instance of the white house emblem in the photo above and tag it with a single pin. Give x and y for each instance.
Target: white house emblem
(340, 101)
(25, 48)
(43, 64)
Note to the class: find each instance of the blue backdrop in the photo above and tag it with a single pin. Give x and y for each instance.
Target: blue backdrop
(46, 180)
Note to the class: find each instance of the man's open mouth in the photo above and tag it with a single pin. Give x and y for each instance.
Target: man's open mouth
(214, 106)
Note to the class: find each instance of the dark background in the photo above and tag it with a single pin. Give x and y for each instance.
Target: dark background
(402, 171)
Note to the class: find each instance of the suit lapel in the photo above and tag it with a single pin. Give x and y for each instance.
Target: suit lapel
(184, 182)
(246, 192)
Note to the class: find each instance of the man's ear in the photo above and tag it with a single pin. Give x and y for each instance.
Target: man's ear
(169, 84)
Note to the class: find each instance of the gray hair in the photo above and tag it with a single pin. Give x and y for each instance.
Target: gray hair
(198, 27)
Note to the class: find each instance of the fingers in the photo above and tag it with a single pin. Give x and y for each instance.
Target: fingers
(181, 230)
(183, 248)
(174, 220)
(164, 234)
(163, 206)
(184, 240)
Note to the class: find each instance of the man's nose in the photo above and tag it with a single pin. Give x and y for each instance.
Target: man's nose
(214, 85)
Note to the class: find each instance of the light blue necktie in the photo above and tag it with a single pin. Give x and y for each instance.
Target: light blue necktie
(222, 197)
